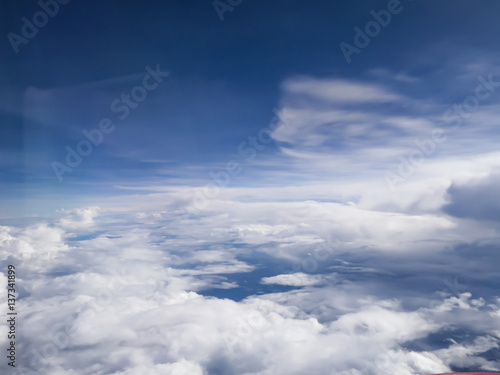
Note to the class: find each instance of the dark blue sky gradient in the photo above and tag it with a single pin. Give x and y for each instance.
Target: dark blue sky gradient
(224, 83)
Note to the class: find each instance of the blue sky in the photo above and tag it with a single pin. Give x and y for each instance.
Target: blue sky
(225, 80)
(170, 172)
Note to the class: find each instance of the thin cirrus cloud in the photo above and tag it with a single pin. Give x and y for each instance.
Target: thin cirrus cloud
(338, 90)
(351, 124)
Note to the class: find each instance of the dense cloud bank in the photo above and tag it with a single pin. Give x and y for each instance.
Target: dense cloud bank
(102, 292)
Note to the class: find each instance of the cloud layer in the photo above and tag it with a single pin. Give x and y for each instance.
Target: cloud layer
(308, 264)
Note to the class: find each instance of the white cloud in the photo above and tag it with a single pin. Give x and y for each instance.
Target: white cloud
(338, 90)
(127, 300)
(294, 279)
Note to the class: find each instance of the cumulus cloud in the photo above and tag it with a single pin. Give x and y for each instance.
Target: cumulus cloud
(78, 218)
(129, 296)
